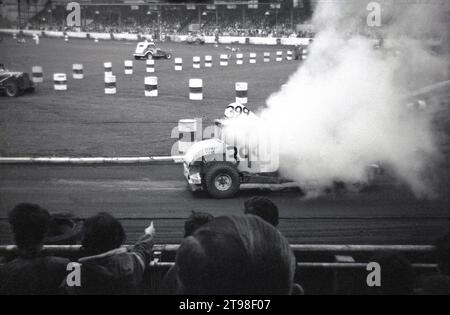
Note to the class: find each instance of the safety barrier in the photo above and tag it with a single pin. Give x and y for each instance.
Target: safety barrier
(90, 160)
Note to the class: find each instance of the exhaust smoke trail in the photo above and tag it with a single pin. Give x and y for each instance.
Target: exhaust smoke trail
(344, 108)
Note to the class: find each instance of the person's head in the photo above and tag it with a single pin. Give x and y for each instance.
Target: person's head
(442, 245)
(101, 233)
(262, 207)
(235, 255)
(196, 220)
(29, 223)
(397, 274)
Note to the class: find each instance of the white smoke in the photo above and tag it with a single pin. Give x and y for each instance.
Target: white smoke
(344, 109)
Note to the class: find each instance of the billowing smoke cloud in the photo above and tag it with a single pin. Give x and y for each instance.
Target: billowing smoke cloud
(344, 109)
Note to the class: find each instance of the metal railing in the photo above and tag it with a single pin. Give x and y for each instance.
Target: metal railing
(337, 263)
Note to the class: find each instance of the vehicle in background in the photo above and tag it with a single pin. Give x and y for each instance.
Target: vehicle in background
(148, 50)
(14, 83)
(196, 38)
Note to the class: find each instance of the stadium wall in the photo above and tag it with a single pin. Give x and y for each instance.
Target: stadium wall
(174, 38)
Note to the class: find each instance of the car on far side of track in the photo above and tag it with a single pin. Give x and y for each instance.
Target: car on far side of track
(197, 39)
(148, 50)
(14, 83)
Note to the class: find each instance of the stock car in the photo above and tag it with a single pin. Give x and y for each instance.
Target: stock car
(195, 39)
(14, 83)
(148, 50)
(221, 169)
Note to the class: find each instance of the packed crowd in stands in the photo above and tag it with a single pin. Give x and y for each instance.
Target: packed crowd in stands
(235, 254)
(176, 21)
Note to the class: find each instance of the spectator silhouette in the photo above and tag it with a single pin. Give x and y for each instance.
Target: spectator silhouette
(238, 255)
(109, 268)
(262, 207)
(32, 272)
(193, 223)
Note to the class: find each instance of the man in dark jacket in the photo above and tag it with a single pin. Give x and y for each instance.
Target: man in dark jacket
(32, 272)
(108, 267)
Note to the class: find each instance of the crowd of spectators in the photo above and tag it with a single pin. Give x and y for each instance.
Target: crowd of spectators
(233, 254)
(176, 21)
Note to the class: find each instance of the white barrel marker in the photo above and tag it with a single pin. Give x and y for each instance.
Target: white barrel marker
(110, 84)
(279, 56)
(178, 64)
(108, 68)
(150, 66)
(196, 62)
(208, 61)
(37, 74)
(223, 60)
(77, 70)
(128, 64)
(195, 89)
(241, 92)
(60, 81)
(151, 86)
(186, 130)
(239, 59)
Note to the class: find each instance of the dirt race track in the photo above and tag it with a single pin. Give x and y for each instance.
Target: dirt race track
(85, 122)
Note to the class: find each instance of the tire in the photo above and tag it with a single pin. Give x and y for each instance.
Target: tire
(168, 56)
(11, 89)
(149, 56)
(221, 180)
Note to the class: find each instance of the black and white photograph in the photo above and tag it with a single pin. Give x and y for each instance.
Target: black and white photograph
(223, 153)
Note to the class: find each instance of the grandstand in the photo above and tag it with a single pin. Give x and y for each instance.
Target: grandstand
(238, 18)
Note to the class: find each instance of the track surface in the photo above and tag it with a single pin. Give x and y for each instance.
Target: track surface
(85, 122)
(137, 194)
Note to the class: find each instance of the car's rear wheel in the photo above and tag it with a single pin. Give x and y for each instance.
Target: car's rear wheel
(149, 56)
(221, 180)
(168, 56)
(12, 90)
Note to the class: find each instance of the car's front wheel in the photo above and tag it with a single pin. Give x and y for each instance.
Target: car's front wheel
(12, 90)
(221, 180)
(168, 56)
(149, 56)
